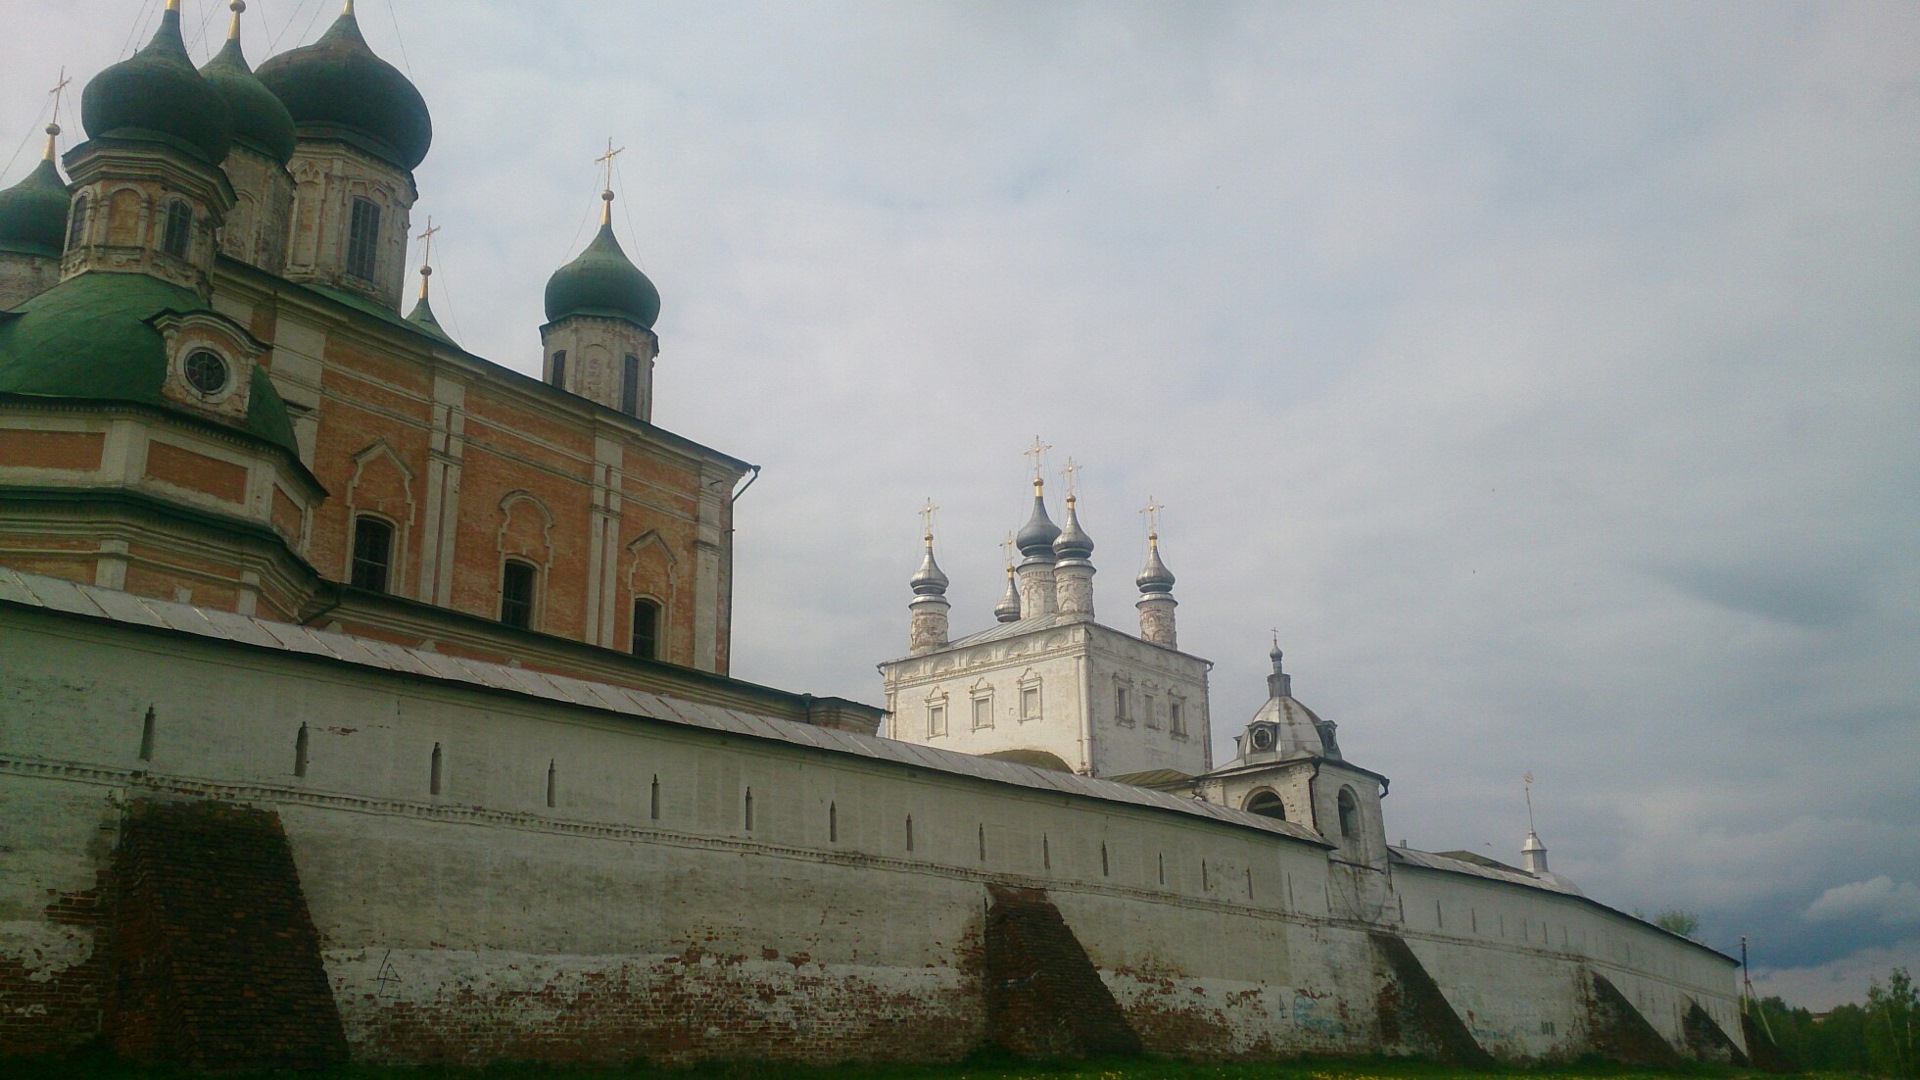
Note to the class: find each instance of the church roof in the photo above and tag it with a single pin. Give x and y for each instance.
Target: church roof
(92, 337)
(111, 605)
(33, 213)
(260, 119)
(156, 94)
(603, 281)
(337, 88)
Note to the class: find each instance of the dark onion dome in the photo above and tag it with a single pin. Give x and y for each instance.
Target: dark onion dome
(260, 119)
(337, 88)
(91, 338)
(1073, 541)
(603, 281)
(1008, 609)
(1154, 577)
(929, 580)
(33, 213)
(156, 94)
(1035, 538)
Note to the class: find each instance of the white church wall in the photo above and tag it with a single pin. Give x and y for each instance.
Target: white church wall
(661, 921)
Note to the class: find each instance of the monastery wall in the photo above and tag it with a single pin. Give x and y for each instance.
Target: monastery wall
(502, 875)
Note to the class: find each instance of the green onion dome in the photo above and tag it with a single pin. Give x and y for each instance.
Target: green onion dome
(603, 281)
(260, 119)
(156, 94)
(92, 338)
(33, 213)
(337, 88)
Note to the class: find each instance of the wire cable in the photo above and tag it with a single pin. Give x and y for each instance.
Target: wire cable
(397, 36)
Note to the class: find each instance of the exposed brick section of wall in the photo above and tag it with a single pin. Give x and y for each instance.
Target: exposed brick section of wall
(1045, 999)
(217, 960)
(1621, 1034)
(1414, 1013)
(1705, 1040)
(51, 1010)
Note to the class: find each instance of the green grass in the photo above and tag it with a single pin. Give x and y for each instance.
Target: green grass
(979, 1068)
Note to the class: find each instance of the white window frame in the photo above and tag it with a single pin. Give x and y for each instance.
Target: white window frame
(1030, 695)
(936, 716)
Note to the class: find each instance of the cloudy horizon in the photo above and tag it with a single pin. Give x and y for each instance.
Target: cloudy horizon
(1544, 375)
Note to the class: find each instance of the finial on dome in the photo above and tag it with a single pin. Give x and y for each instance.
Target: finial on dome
(53, 132)
(426, 249)
(606, 187)
(1154, 577)
(1008, 609)
(233, 28)
(929, 580)
(347, 8)
(1279, 683)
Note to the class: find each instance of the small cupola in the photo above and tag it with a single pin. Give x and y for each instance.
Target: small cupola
(929, 606)
(156, 95)
(1035, 538)
(33, 212)
(603, 282)
(337, 88)
(598, 339)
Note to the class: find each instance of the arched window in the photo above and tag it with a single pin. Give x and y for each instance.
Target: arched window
(630, 386)
(179, 229)
(560, 368)
(1349, 814)
(1266, 804)
(372, 553)
(77, 224)
(646, 629)
(363, 238)
(517, 581)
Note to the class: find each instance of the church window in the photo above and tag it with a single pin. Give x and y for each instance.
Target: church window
(205, 371)
(363, 238)
(646, 629)
(653, 800)
(147, 734)
(749, 810)
(1267, 804)
(630, 386)
(372, 553)
(909, 832)
(433, 772)
(1349, 814)
(516, 593)
(300, 752)
(179, 230)
(77, 225)
(833, 823)
(983, 710)
(1177, 717)
(983, 843)
(560, 368)
(1120, 713)
(1030, 702)
(552, 783)
(1163, 868)
(1046, 853)
(1106, 869)
(936, 718)
(1148, 709)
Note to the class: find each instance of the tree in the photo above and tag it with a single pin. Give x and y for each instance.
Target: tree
(1891, 1023)
(1675, 920)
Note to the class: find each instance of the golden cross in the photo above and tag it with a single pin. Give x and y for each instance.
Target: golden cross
(1038, 452)
(53, 127)
(606, 160)
(1070, 472)
(926, 515)
(1007, 544)
(426, 251)
(1152, 510)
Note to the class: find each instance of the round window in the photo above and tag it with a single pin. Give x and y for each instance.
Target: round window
(206, 371)
(1263, 738)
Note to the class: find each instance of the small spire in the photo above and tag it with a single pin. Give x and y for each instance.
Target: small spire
(174, 6)
(53, 132)
(929, 580)
(347, 8)
(233, 28)
(1008, 609)
(1038, 452)
(1073, 541)
(1279, 684)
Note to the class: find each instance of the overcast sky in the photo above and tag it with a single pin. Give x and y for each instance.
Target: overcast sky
(1545, 374)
